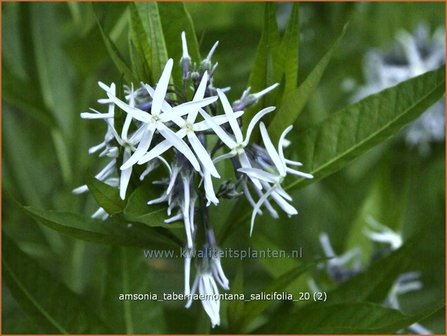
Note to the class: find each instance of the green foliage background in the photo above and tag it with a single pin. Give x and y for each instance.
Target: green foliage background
(53, 56)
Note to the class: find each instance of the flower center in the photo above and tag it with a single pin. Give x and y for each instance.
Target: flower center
(240, 148)
(188, 127)
(155, 119)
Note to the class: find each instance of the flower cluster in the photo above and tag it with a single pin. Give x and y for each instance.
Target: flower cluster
(412, 55)
(191, 136)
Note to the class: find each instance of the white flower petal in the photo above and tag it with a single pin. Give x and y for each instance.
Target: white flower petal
(267, 203)
(200, 93)
(209, 189)
(218, 120)
(106, 171)
(281, 141)
(143, 146)
(245, 163)
(202, 154)
(125, 176)
(224, 157)
(298, 173)
(257, 207)
(193, 290)
(271, 150)
(259, 174)
(249, 197)
(188, 107)
(184, 46)
(181, 146)
(161, 88)
(185, 212)
(80, 190)
(159, 149)
(255, 120)
(187, 266)
(226, 139)
(230, 115)
(259, 94)
(136, 113)
(288, 209)
(293, 163)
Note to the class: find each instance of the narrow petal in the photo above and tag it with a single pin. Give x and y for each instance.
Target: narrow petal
(271, 150)
(220, 274)
(218, 120)
(186, 108)
(126, 127)
(193, 290)
(245, 163)
(96, 148)
(159, 149)
(282, 138)
(80, 190)
(95, 115)
(202, 154)
(267, 203)
(259, 94)
(283, 193)
(159, 200)
(106, 171)
(161, 88)
(125, 177)
(209, 189)
(224, 157)
(293, 163)
(259, 174)
(298, 173)
(249, 197)
(172, 180)
(179, 144)
(200, 93)
(288, 209)
(257, 207)
(136, 113)
(187, 267)
(143, 146)
(185, 212)
(165, 107)
(184, 46)
(226, 139)
(255, 120)
(230, 115)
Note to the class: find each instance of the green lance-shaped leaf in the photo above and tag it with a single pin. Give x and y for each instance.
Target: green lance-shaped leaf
(111, 232)
(106, 196)
(176, 12)
(115, 55)
(141, 56)
(263, 73)
(346, 134)
(288, 51)
(346, 318)
(53, 307)
(128, 274)
(151, 33)
(294, 102)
